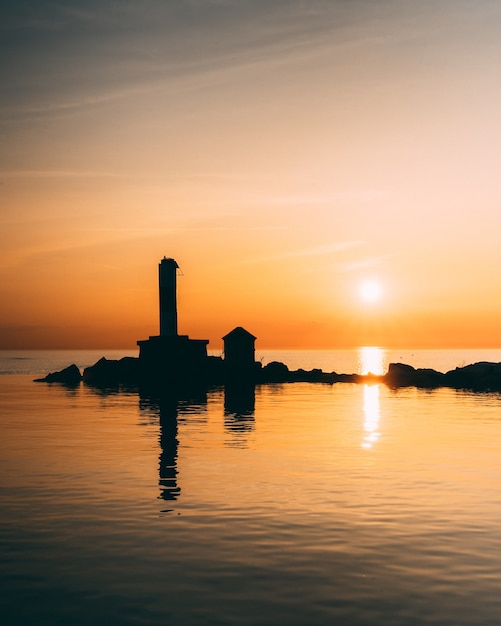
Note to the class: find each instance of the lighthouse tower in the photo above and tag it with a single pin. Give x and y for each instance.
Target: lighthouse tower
(169, 357)
(167, 269)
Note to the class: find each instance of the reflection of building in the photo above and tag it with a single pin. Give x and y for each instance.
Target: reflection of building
(167, 466)
(239, 403)
(168, 407)
(239, 399)
(165, 408)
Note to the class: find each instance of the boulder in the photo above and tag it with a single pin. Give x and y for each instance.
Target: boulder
(478, 376)
(275, 372)
(402, 375)
(111, 372)
(69, 376)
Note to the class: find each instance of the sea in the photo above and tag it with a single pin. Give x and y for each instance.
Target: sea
(300, 504)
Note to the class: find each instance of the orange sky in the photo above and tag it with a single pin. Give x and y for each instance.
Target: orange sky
(281, 152)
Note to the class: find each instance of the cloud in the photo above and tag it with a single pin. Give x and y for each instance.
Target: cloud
(118, 49)
(352, 266)
(323, 250)
(57, 174)
(347, 196)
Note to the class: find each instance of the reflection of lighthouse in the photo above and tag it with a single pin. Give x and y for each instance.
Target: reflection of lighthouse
(167, 290)
(169, 489)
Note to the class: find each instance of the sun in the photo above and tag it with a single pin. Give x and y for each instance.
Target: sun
(370, 291)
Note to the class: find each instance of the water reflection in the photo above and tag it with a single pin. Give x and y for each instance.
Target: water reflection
(371, 360)
(239, 404)
(167, 461)
(372, 415)
(166, 409)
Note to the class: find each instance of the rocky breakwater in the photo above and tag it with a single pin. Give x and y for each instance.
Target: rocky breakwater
(483, 376)
(103, 372)
(277, 372)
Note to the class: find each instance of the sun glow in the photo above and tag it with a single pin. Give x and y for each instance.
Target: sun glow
(371, 360)
(370, 291)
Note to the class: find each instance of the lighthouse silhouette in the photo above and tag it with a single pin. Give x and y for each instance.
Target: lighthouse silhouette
(173, 358)
(167, 286)
(170, 356)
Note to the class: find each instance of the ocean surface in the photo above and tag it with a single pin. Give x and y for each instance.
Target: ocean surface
(355, 361)
(294, 504)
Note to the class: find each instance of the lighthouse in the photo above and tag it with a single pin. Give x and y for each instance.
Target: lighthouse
(169, 356)
(167, 273)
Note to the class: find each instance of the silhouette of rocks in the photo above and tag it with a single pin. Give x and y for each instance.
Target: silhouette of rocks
(108, 372)
(482, 376)
(401, 375)
(314, 376)
(69, 376)
(275, 372)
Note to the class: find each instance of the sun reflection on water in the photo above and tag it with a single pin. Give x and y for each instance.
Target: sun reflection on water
(371, 360)
(372, 415)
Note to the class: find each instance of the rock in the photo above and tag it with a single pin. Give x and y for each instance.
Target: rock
(315, 375)
(69, 376)
(275, 372)
(480, 376)
(402, 375)
(111, 372)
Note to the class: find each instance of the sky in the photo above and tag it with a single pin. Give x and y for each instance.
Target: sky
(284, 152)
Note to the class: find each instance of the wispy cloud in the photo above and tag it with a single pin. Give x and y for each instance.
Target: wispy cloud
(352, 266)
(57, 174)
(331, 248)
(169, 42)
(173, 229)
(345, 196)
(323, 250)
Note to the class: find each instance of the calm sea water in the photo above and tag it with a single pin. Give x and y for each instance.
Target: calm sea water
(360, 360)
(297, 504)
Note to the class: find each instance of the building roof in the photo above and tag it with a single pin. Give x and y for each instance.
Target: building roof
(169, 260)
(238, 332)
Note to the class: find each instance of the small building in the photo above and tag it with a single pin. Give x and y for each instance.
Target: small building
(239, 349)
